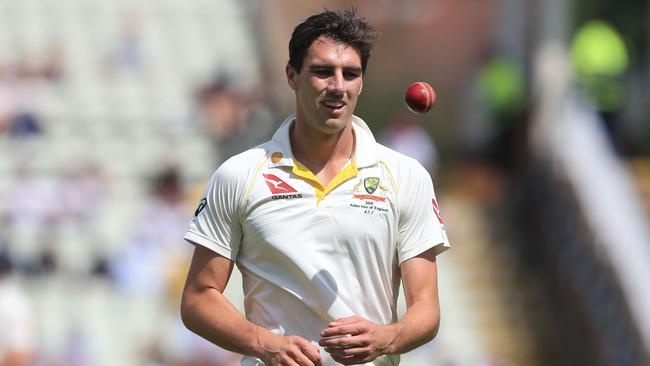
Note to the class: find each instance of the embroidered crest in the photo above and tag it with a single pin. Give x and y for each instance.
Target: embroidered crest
(371, 184)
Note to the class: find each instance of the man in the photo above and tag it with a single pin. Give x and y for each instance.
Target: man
(323, 223)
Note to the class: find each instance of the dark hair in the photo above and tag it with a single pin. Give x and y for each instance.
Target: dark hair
(341, 26)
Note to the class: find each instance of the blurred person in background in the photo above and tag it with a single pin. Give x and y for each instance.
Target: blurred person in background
(19, 91)
(17, 343)
(31, 212)
(404, 134)
(497, 132)
(232, 118)
(82, 192)
(127, 55)
(23, 88)
(600, 61)
(323, 223)
(6, 109)
(145, 265)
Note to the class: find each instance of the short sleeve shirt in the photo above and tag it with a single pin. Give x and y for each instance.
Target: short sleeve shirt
(310, 255)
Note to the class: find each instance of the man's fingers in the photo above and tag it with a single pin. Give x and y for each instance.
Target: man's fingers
(288, 361)
(353, 329)
(296, 351)
(340, 341)
(311, 352)
(344, 342)
(348, 352)
(301, 359)
(351, 360)
(347, 319)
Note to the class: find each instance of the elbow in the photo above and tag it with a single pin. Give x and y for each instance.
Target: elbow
(187, 311)
(432, 327)
(435, 326)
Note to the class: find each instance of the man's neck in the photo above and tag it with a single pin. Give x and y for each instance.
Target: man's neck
(317, 150)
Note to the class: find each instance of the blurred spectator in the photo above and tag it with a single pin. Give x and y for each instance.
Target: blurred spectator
(6, 109)
(153, 265)
(22, 88)
(405, 134)
(144, 266)
(127, 55)
(52, 64)
(496, 126)
(222, 109)
(42, 208)
(17, 343)
(234, 121)
(501, 82)
(600, 60)
(81, 193)
(31, 210)
(26, 92)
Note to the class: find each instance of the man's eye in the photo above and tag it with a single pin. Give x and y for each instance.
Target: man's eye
(322, 73)
(350, 75)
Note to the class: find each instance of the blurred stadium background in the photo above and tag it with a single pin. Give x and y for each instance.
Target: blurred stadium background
(114, 113)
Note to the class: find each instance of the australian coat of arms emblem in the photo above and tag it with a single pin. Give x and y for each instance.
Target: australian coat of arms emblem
(371, 184)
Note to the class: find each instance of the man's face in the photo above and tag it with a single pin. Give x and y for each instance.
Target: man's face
(328, 85)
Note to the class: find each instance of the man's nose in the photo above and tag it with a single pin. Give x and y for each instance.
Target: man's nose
(337, 83)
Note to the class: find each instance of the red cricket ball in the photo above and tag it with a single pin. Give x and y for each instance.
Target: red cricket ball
(419, 97)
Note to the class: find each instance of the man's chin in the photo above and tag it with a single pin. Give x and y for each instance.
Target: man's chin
(336, 123)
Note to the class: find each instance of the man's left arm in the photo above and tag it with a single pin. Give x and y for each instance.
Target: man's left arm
(361, 341)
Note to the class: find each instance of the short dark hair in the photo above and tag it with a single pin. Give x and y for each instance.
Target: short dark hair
(341, 26)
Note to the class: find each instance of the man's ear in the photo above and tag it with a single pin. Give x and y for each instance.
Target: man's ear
(291, 76)
(361, 88)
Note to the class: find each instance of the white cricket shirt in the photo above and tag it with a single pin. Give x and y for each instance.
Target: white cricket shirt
(310, 254)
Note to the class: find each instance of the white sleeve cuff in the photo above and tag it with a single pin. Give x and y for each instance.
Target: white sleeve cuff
(222, 250)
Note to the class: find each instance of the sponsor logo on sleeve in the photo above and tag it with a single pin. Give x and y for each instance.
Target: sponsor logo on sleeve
(202, 204)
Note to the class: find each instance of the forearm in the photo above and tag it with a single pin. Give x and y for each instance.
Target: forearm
(418, 326)
(209, 314)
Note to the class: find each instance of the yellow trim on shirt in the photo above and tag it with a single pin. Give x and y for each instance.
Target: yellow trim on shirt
(349, 171)
(252, 182)
(392, 178)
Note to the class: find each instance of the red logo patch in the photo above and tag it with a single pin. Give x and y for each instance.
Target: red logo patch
(277, 185)
(436, 210)
(369, 197)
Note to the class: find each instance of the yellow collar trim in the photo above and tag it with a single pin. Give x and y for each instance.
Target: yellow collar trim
(349, 171)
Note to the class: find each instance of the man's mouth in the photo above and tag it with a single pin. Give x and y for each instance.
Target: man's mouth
(334, 105)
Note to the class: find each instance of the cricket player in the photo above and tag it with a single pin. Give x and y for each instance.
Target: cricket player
(322, 221)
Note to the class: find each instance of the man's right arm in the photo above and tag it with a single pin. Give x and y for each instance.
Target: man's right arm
(206, 312)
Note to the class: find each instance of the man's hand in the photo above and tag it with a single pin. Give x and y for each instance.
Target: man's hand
(289, 351)
(355, 340)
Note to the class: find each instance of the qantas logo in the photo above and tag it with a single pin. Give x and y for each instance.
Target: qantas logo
(286, 196)
(436, 210)
(277, 185)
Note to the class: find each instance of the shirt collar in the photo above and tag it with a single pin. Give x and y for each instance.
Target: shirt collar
(365, 150)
